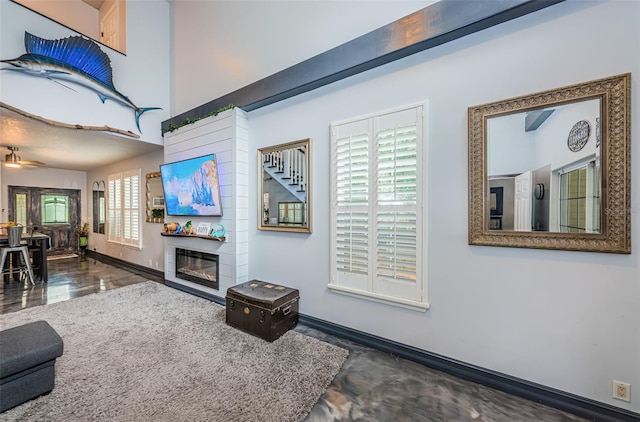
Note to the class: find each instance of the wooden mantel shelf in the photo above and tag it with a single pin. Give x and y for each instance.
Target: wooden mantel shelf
(199, 236)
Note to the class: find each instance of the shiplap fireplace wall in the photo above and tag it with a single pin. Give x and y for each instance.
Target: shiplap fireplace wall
(225, 135)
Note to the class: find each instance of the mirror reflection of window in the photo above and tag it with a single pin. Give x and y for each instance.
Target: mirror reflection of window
(99, 209)
(104, 21)
(291, 212)
(102, 217)
(580, 199)
(155, 198)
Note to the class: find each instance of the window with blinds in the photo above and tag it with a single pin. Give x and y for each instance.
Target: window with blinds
(377, 229)
(123, 208)
(580, 199)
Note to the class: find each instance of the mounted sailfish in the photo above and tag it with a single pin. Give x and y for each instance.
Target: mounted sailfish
(76, 60)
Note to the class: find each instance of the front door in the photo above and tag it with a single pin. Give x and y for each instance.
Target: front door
(54, 212)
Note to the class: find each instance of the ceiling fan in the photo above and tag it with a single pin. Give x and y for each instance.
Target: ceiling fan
(12, 160)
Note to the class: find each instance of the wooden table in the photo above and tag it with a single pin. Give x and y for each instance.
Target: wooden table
(40, 239)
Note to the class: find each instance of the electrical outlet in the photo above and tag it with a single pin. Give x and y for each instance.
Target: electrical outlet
(621, 390)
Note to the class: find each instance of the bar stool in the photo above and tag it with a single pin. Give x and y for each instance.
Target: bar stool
(24, 250)
(35, 251)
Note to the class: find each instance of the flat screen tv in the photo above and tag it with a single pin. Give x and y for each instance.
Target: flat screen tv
(191, 187)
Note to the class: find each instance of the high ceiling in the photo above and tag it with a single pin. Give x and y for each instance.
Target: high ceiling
(64, 148)
(96, 4)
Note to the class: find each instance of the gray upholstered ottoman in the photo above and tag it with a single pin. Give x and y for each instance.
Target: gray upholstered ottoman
(27, 357)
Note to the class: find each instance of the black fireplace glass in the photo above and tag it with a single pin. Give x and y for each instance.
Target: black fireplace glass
(197, 267)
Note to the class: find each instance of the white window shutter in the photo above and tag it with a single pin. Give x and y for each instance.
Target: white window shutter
(133, 210)
(351, 152)
(124, 208)
(114, 202)
(397, 213)
(377, 192)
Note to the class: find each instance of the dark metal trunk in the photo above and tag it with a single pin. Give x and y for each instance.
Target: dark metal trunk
(263, 309)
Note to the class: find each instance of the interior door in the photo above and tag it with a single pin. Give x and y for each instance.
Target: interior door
(522, 202)
(109, 27)
(54, 212)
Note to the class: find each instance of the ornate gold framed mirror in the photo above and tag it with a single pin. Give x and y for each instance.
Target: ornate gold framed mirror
(99, 207)
(155, 198)
(552, 170)
(284, 187)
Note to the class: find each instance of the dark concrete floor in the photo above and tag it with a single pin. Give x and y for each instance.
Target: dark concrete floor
(376, 386)
(371, 386)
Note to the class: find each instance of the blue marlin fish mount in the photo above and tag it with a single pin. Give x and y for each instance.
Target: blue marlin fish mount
(74, 59)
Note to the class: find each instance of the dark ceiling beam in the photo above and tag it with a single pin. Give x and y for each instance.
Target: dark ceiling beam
(534, 119)
(434, 25)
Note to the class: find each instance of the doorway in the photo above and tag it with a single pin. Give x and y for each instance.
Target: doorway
(54, 212)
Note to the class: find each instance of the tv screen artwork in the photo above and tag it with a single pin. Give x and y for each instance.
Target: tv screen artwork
(191, 187)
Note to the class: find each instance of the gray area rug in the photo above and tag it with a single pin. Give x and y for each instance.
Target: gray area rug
(148, 352)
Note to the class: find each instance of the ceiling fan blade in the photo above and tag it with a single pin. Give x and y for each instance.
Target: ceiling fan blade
(32, 163)
(14, 160)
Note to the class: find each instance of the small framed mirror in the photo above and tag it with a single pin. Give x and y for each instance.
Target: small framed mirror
(284, 187)
(552, 170)
(99, 207)
(155, 198)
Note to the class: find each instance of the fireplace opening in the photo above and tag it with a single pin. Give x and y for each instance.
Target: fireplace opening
(197, 267)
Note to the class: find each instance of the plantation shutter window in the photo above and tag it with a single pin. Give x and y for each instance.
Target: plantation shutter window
(114, 208)
(131, 207)
(352, 204)
(123, 208)
(377, 214)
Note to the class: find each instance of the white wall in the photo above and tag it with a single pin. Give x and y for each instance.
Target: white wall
(551, 137)
(143, 74)
(152, 253)
(248, 40)
(514, 151)
(226, 136)
(510, 150)
(568, 320)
